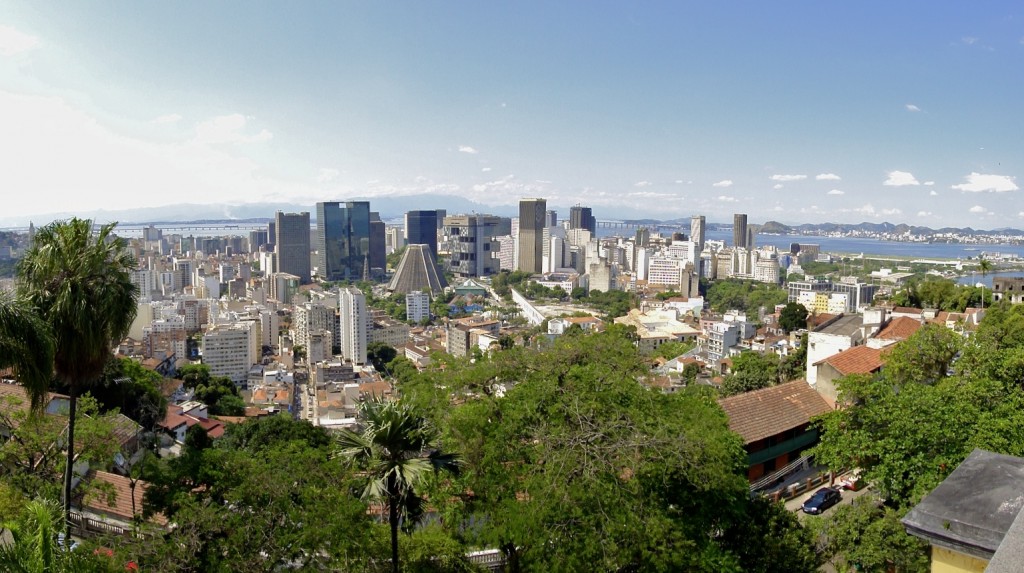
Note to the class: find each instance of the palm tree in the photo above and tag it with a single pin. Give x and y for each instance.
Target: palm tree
(79, 281)
(397, 449)
(984, 265)
(36, 547)
(26, 346)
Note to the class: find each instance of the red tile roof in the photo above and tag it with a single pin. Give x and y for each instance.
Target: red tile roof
(907, 310)
(899, 328)
(117, 500)
(856, 360)
(764, 413)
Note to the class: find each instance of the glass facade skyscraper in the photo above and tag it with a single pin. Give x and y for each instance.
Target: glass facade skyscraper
(343, 239)
(421, 229)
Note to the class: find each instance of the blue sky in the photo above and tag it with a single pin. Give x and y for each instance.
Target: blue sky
(793, 111)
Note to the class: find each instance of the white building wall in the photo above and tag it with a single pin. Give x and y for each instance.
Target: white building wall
(353, 319)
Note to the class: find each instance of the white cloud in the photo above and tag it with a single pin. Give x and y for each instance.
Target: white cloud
(13, 41)
(468, 149)
(169, 118)
(827, 177)
(787, 178)
(969, 40)
(900, 179)
(485, 169)
(928, 183)
(327, 175)
(924, 213)
(911, 107)
(977, 209)
(778, 186)
(979, 183)
(723, 183)
(728, 199)
(933, 193)
(679, 181)
(642, 184)
(650, 195)
(836, 192)
(55, 150)
(892, 211)
(228, 129)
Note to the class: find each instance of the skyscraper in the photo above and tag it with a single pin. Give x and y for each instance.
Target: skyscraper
(532, 214)
(471, 245)
(421, 229)
(292, 244)
(697, 232)
(378, 238)
(739, 230)
(352, 310)
(582, 218)
(343, 239)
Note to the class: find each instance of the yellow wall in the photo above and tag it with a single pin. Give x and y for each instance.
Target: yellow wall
(947, 561)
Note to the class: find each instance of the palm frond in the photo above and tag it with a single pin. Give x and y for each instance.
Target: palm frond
(26, 346)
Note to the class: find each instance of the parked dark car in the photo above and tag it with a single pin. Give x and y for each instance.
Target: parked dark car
(822, 499)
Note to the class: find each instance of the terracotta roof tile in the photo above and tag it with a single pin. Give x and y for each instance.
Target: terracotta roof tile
(764, 413)
(899, 328)
(856, 360)
(907, 310)
(119, 501)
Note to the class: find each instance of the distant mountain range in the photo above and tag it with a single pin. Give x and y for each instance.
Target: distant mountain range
(395, 207)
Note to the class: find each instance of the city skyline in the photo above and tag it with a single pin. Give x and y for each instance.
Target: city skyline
(829, 113)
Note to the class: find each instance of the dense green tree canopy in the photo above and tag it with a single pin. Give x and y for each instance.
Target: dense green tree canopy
(910, 426)
(574, 457)
(793, 317)
(748, 296)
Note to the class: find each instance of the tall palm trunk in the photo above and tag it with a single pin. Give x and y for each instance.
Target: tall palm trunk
(393, 520)
(69, 471)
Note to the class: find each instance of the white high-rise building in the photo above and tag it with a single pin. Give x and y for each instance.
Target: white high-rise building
(228, 350)
(417, 306)
(353, 319)
(311, 318)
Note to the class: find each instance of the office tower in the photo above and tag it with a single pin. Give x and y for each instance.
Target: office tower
(378, 247)
(751, 236)
(471, 244)
(421, 229)
(643, 237)
(352, 310)
(739, 230)
(272, 234)
(293, 244)
(697, 231)
(394, 239)
(582, 218)
(550, 218)
(531, 234)
(343, 239)
(257, 239)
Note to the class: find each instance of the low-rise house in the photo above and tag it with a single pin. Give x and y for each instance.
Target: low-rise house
(856, 360)
(180, 417)
(112, 506)
(973, 519)
(774, 423)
